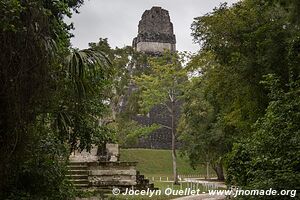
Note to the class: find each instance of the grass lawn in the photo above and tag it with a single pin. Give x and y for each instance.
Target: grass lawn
(156, 163)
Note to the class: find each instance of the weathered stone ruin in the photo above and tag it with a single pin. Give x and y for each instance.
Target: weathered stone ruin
(89, 170)
(155, 32)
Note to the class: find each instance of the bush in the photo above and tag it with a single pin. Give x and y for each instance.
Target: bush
(40, 174)
(271, 157)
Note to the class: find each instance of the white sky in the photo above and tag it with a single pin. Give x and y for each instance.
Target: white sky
(118, 20)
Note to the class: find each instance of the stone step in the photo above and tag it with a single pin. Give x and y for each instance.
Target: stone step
(79, 181)
(77, 163)
(113, 172)
(77, 167)
(81, 185)
(77, 176)
(77, 172)
(70, 166)
(119, 183)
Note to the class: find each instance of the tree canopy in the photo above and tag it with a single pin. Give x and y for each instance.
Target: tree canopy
(164, 86)
(229, 111)
(51, 96)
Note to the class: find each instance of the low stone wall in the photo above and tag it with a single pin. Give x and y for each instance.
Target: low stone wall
(112, 174)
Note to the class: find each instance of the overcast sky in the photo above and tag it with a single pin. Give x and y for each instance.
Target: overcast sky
(118, 20)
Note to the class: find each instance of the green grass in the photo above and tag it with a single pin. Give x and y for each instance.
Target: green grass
(156, 163)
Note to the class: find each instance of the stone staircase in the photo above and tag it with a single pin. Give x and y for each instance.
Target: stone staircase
(78, 174)
(142, 183)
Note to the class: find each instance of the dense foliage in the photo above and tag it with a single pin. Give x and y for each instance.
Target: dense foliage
(51, 98)
(227, 102)
(270, 158)
(122, 95)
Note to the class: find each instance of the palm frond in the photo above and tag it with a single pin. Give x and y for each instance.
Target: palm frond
(86, 65)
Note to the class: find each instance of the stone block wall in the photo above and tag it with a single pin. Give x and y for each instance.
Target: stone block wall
(157, 47)
(155, 32)
(162, 137)
(108, 174)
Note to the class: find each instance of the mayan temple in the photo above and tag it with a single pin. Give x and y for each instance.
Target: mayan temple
(155, 32)
(155, 35)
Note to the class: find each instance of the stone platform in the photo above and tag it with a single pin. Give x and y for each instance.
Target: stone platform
(102, 175)
(88, 170)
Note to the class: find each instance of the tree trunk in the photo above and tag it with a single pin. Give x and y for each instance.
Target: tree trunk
(174, 156)
(218, 168)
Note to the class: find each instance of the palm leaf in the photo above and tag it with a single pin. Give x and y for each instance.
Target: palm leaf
(87, 64)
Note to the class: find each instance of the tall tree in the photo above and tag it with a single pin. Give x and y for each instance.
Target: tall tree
(202, 134)
(240, 44)
(44, 104)
(164, 86)
(248, 41)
